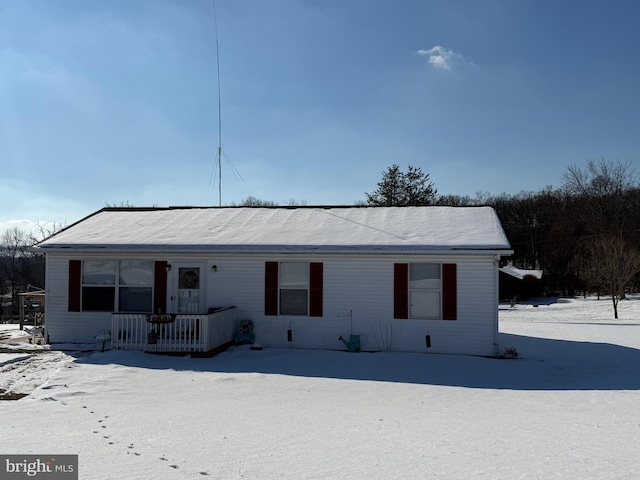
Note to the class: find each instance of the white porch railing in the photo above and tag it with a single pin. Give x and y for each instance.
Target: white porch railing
(173, 333)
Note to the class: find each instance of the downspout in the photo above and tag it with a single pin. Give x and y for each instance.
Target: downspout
(47, 296)
(496, 300)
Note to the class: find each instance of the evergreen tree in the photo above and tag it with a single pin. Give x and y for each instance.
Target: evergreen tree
(398, 188)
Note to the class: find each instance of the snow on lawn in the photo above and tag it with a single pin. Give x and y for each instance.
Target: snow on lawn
(568, 408)
(11, 331)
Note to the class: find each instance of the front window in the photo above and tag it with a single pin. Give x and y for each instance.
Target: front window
(110, 285)
(135, 286)
(425, 290)
(98, 285)
(294, 288)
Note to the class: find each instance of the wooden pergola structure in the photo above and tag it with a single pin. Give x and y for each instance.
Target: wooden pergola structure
(32, 307)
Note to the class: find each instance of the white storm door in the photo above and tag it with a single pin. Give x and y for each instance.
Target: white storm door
(188, 292)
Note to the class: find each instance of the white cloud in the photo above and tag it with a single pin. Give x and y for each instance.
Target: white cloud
(440, 57)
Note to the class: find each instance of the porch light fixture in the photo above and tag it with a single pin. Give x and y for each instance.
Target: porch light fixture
(168, 268)
(214, 268)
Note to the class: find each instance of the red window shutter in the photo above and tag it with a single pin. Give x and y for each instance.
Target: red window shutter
(315, 289)
(401, 290)
(449, 291)
(75, 285)
(160, 287)
(271, 288)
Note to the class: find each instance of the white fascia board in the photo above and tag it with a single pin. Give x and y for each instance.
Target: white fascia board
(269, 250)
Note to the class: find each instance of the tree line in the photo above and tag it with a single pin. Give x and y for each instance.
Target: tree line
(21, 269)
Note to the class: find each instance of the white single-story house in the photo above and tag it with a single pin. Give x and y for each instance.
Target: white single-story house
(414, 279)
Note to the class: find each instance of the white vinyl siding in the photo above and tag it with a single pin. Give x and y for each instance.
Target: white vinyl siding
(357, 298)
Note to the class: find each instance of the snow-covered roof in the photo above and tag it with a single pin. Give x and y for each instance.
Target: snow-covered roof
(520, 273)
(361, 229)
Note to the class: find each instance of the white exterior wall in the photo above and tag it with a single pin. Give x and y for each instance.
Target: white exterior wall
(359, 284)
(62, 326)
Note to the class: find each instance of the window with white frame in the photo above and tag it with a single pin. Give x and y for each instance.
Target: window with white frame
(135, 286)
(123, 286)
(293, 284)
(425, 289)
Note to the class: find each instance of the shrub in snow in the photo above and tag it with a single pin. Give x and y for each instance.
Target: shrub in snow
(510, 353)
(387, 337)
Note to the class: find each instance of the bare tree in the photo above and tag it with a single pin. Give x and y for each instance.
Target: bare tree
(122, 204)
(602, 187)
(455, 201)
(604, 199)
(46, 230)
(613, 265)
(16, 269)
(252, 201)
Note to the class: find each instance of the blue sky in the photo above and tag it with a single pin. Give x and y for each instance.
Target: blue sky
(111, 101)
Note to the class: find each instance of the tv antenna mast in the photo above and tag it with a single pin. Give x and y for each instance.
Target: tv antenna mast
(220, 153)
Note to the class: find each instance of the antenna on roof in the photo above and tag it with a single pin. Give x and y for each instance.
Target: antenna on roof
(220, 153)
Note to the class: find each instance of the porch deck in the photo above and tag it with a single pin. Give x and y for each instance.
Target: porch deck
(174, 333)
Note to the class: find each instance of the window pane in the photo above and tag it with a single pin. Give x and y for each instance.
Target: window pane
(424, 275)
(188, 301)
(98, 272)
(294, 274)
(293, 302)
(135, 299)
(98, 299)
(189, 278)
(136, 273)
(425, 304)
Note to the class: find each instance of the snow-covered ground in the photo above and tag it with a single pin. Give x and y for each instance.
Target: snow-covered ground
(568, 408)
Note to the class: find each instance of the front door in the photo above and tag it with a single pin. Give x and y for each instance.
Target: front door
(188, 288)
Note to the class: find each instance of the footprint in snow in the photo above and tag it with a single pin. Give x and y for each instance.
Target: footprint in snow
(131, 447)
